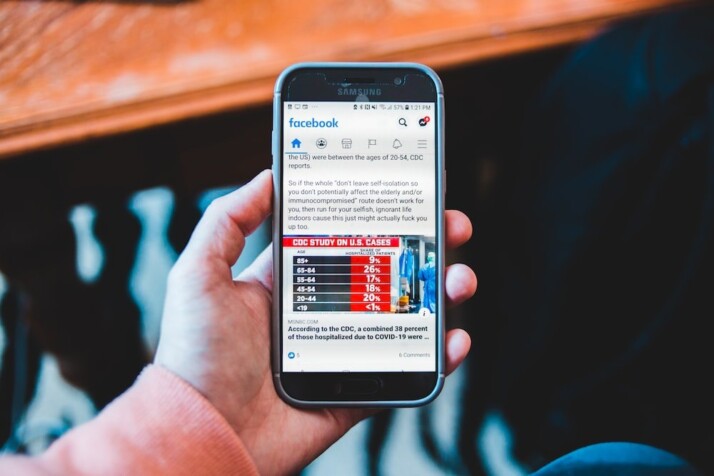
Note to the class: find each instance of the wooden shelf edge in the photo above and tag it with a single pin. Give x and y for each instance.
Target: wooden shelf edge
(166, 110)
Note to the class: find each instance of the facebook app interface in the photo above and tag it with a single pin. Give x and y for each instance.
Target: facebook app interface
(359, 231)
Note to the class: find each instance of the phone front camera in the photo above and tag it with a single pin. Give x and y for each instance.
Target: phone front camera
(397, 81)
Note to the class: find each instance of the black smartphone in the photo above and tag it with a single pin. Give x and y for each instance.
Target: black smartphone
(358, 283)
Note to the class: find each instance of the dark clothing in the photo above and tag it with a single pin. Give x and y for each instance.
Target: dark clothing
(618, 459)
(607, 282)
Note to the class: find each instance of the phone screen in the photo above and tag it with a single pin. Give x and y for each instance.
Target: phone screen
(359, 224)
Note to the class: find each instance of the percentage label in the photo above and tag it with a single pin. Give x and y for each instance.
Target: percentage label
(370, 297)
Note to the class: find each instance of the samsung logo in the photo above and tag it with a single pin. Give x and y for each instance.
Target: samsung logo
(359, 92)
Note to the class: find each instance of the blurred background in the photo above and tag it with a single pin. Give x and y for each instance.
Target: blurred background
(579, 142)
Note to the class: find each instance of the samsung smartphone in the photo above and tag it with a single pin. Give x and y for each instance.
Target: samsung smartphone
(358, 235)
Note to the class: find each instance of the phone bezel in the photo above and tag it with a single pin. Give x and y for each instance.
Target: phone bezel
(326, 389)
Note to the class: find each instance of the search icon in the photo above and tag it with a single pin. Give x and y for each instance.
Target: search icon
(402, 122)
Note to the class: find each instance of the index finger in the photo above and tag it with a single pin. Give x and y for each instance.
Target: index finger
(458, 228)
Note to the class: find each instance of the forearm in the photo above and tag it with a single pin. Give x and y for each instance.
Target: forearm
(161, 425)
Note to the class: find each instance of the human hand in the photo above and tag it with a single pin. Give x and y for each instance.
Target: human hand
(215, 332)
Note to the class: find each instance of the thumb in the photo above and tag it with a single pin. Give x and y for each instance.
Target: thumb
(219, 236)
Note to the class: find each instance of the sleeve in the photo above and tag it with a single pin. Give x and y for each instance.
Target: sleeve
(161, 425)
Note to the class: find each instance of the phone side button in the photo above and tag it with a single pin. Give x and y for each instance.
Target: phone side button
(361, 386)
(272, 144)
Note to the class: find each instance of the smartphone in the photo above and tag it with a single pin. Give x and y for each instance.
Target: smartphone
(358, 283)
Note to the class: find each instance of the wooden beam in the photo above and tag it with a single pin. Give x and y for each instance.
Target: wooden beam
(72, 71)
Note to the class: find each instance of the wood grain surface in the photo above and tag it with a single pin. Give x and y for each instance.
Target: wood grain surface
(75, 70)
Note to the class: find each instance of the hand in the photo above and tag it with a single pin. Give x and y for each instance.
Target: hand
(215, 332)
